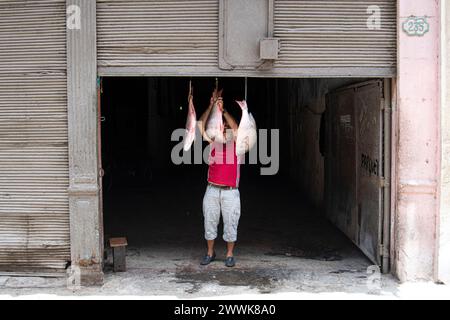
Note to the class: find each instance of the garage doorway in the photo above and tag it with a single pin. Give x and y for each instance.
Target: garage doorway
(292, 215)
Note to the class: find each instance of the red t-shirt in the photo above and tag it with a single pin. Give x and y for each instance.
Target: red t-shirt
(224, 165)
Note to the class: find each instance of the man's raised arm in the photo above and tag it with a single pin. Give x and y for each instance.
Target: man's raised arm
(204, 118)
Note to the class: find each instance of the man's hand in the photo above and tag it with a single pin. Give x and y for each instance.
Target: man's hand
(215, 95)
(204, 118)
(191, 92)
(220, 104)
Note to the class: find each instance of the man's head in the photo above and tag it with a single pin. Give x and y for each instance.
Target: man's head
(225, 124)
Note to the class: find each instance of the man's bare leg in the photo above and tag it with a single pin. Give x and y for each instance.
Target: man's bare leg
(210, 244)
(230, 248)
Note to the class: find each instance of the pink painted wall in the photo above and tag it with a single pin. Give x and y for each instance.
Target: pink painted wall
(443, 250)
(417, 170)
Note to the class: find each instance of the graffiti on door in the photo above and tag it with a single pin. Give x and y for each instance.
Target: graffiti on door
(370, 165)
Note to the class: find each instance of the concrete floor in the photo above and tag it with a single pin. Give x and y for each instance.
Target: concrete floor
(283, 247)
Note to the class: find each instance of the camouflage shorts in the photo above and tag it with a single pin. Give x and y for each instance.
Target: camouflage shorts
(227, 202)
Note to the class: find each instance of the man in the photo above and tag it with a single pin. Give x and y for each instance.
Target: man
(222, 194)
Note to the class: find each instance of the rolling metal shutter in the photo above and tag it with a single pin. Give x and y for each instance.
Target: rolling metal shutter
(332, 36)
(318, 38)
(174, 35)
(34, 209)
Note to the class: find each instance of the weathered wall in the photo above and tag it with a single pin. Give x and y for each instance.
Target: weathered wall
(86, 224)
(418, 144)
(306, 104)
(305, 107)
(443, 252)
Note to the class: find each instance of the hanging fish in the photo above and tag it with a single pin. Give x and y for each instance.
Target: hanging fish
(215, 126)
(246, 135)
(189, 135)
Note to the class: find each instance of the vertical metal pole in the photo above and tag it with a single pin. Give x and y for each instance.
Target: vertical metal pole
(246, 89)
(385, 264)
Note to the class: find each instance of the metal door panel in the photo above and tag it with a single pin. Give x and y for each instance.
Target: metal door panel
(239, 36)
(356, 167)
(368, 109)
(343, 162)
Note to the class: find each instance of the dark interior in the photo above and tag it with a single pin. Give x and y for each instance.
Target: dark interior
(155, 203)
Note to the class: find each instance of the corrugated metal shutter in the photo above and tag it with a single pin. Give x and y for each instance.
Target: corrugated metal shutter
(334, 34)
(34, 210)
(180, 37)
(170, 33)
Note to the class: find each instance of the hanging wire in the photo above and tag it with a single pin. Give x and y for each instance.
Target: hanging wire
(246, 89)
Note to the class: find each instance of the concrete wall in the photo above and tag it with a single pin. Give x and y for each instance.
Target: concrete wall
(305, 106)
(417, 169)
(443, 252)
(306, 103)
(86, 224)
